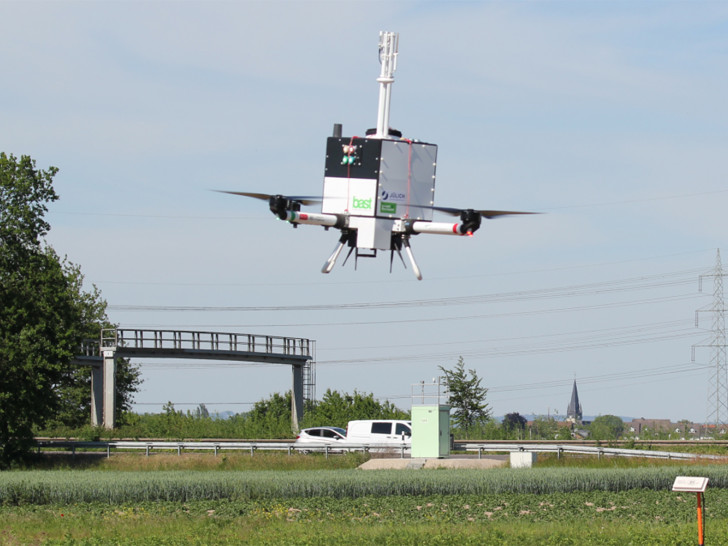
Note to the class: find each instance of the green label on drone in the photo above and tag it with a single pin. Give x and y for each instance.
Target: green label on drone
(361, 203)
(387, 208)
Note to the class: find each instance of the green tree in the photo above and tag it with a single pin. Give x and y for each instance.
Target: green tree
(606, 427)
(336, 409)
(269, 418)
(564, 432)
(544, 428)
(514, 425)
(74, 391)
(202, 412)
(44, 313)
(467, 397)
(492, 430)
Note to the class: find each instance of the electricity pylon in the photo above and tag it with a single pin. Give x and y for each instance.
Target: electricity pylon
(718, 386)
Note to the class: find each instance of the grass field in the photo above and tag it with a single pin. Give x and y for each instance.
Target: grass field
(184, 503)
(630, 517)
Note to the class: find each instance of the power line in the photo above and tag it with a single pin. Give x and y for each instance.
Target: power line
(651, 373)
(648, 373)
(545, 344)
(642, 200)
(635, 328)
(309, 323)
(605, 287)
(195, 403)
(343, 283)
(605, 378)
(156, 216)
(505, 352)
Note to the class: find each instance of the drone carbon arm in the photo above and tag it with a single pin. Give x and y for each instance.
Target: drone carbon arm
(442, 228)
(316, 219)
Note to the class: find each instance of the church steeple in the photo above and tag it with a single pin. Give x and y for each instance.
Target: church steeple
(574, 414)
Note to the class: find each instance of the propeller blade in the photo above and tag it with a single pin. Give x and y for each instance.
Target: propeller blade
(490, 214)
(496, 213)
(303, 199)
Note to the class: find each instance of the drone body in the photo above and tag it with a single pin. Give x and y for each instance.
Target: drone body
(378, 189)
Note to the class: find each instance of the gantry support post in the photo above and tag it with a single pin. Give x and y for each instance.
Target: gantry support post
(297, 397)
(109, 381)
(97, 395)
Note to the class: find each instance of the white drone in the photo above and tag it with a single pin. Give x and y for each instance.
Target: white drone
(378, 189)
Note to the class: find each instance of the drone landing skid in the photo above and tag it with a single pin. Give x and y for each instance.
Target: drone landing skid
(329, 265)
(391, 258)
(345, 238)
(413, 263)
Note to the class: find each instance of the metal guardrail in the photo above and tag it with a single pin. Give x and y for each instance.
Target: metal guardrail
(290, 447)
(217, 447)
(584, 450)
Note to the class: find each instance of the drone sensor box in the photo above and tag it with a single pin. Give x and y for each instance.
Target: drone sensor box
(379, 178)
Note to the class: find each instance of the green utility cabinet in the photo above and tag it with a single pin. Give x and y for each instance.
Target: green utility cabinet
(430, 430)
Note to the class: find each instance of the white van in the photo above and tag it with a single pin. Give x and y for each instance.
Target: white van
(379, 431)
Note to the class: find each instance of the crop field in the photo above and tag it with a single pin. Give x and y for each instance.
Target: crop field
(567, 505)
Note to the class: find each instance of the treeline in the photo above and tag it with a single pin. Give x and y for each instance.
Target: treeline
(269, 418)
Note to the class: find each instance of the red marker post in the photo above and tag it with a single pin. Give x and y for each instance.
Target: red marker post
(697, 485)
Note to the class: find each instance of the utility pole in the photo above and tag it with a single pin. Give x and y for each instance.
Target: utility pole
(717, 413)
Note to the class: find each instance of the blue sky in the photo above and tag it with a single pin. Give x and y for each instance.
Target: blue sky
(610, 117)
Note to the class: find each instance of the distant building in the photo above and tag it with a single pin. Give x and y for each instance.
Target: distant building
(685, 429)
(574, 413)
(642, 425)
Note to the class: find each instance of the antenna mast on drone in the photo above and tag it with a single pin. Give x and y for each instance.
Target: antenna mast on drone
(388, 49)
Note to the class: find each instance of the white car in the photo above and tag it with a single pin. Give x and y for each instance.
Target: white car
(320, 436)
(394, 432)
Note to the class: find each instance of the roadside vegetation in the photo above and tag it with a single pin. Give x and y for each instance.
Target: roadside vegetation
(269, 418)
(233, 461)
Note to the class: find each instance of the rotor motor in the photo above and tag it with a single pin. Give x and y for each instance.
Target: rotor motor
(470, 221)
(280, 205)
